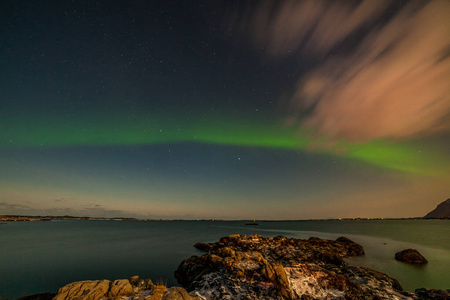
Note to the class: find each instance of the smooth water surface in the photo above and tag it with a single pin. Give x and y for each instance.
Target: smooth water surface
(37, 257)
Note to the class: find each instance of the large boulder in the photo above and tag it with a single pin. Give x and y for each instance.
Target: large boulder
(84, 290)
(105, 289)
(411, 256)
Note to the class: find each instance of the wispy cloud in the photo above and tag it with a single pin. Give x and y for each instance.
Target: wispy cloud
(4, 206)
(96, 210)
(392, 80)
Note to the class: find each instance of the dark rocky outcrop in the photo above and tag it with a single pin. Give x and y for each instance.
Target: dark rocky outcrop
(44, 296)
(411, 256)
(431, 294)
(442, 211)
(255, 267)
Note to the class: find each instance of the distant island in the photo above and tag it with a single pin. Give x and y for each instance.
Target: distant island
(16, 218)
(442, 211)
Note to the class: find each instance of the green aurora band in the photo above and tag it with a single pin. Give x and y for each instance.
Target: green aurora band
(211, 129)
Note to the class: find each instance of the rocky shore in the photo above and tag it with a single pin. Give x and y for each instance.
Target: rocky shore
(255, 267)
(15, 218)
(20, 219)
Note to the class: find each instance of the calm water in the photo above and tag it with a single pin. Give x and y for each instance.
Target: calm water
(38, 257)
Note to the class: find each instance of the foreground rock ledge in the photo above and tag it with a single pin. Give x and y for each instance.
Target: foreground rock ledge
(133, 288)
(254, 267)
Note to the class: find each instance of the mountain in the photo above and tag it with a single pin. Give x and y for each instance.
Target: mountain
(442, 211)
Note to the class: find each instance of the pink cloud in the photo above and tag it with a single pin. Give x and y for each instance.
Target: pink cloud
(395, 81)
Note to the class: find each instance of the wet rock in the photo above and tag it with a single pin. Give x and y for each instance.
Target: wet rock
(432, 294)
(203, 247)
(353, 249)
(44, 296)
(411, 256)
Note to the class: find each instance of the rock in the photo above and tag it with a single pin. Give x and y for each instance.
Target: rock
(277, 276)
(442, 211)
(120, 287)
(190, 270)
(226, 251)
(105, 289)
(84, 290)
(158, 292)
(411, 256)
(203, 247)
(178, 293)
(44, 296)
(353, 249)
(139, 285)
(432, 294)
(255, 267)
(331, 258)
(371, 284)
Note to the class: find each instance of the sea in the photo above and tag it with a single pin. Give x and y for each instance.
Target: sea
(39, 257)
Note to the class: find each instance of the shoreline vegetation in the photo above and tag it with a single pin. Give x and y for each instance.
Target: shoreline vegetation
(255, 267)
(24, 218)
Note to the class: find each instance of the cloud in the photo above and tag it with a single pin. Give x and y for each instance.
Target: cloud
(11, 206)
(90, 210)
(383, 70)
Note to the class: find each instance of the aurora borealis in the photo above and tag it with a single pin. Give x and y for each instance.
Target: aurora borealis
(172, 110)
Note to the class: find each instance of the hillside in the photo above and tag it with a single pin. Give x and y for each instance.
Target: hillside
(442, 211)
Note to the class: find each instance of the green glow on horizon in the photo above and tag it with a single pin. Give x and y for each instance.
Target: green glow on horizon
(209, 129)
(402, 157)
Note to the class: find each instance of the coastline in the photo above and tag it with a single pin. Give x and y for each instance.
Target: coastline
(257, 267)
(25, 218)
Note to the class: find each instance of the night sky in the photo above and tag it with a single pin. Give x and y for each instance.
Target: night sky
(224, 109)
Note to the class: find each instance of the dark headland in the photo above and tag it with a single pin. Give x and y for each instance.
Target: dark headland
(255, 267)
(442, 211)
